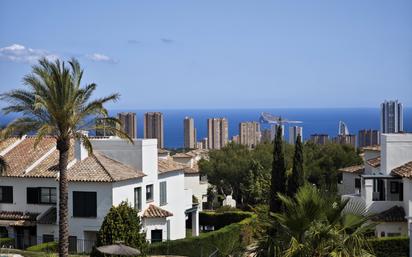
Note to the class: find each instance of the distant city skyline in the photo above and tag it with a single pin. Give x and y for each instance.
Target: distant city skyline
(233, 54)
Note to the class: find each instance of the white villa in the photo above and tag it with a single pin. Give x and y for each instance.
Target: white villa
(117, 171)
(383, 184)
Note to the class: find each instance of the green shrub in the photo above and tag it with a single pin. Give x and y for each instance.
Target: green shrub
(230, 240)
(390, 246)
(6, 242)
(220, 220)
(44, 247)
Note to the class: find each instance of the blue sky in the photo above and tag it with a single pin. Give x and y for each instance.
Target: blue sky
(219, 54)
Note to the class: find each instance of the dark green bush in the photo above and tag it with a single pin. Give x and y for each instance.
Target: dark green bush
(390, 246)
(49, 247)
(220, 220)
(230, 240)
(6, 242)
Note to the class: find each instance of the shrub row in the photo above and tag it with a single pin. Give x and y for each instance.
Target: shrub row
(390, 246)
(6, 242)
(230, 240)
(50, 247)
(220, 220)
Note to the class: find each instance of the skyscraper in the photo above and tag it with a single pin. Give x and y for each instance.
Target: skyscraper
(249, 133)
(368, 137)
(343, 129)
(217, 132)
(391, 117)
(294, 131)
(348, 139)
(153, 127)
(319, 139)
(189, 133)
(128, 123)
(274, 128)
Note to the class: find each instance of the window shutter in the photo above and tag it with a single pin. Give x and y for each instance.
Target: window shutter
(8, 194)
(32, 195)
(163, 193)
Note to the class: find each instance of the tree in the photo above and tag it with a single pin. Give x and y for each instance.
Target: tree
(278, 179)
(316, 224)
(122, 223)
(55, 104)
(3, 165)
(296, 179)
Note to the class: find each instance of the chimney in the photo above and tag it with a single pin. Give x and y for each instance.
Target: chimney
(80, 152)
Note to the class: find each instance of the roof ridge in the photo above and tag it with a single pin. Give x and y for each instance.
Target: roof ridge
(104, 168)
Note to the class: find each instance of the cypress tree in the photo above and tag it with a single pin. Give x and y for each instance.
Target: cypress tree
(278, 180)
(296, 179)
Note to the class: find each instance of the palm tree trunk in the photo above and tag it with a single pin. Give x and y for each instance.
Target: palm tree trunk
(63, 145)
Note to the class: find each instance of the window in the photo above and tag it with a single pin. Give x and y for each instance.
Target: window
(138, 198)
(163, 193)
(84, 204)
(48, 238)
(394, 187)
(149, 193)
(6, 194)
(357, 183)
(42, 195)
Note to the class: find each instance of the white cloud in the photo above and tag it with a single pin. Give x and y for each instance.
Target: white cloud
(99, 58)
(20, 53)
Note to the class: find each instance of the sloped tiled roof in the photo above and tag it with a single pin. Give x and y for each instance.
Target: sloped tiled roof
(184, 155)
(94, 168)
(7, 142)
(353, 169)
(376, 148)
(404, 170)
(162, 151)
(374, 162)
(191, 170)
(100, 168)
(24, 154)
(394, 214)
(156, 212)
(17, 215)
(168, 165)
(48, 217)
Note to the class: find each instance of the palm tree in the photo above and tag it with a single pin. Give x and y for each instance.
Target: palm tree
(315, 224)
(3, 165)
(55, 104)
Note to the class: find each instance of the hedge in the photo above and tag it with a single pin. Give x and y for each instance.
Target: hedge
(390, 246)
(50, 247)
(220, 220)
(6, 242)
(227, 241)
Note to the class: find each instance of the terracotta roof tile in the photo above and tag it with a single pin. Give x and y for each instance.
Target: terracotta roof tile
(404, 170)
(353, 169)
(17, 215)
(7, 142)
(156, 212)
(191, 170)
(100, 168)
(24, 154)
(394, 214)
(168, 165)
(184, 155)
(374, 162)
(376, 148)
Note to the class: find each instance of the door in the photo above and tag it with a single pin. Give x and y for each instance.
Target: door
(157, 235)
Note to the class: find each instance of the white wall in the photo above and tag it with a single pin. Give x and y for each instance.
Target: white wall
(199, 189)
(396, 151)
(20, 193)
(156, 223)
(391, 227)
(348, 186)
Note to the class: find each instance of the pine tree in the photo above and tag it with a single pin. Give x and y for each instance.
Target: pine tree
(278, 180)
(296, 179)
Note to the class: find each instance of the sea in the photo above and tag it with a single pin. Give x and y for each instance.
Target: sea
(314, 120)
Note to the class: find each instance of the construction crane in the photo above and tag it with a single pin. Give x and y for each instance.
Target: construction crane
(268, 118)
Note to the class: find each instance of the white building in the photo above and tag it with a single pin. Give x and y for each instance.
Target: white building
(383, 185)
(118, 171)
(294, 131)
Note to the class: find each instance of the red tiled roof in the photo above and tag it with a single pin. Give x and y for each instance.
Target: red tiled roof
(7, 142)
(374, 162)
(169, 165)
(376, 148)
(17, 215)
(353, 169)
(404, 170)
(156, 212)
